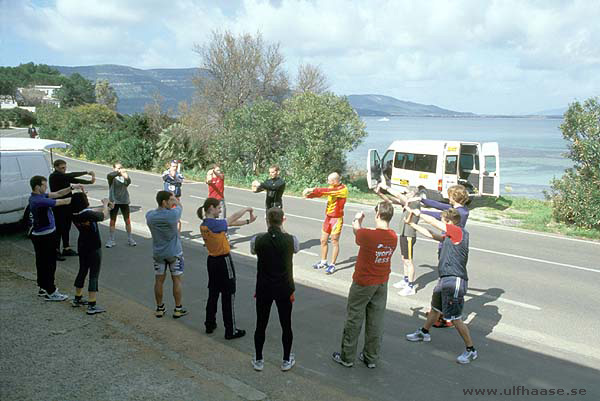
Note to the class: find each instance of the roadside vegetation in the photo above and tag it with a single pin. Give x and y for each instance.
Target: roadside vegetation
(251, 113)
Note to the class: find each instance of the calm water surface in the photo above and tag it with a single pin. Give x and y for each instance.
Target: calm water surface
(531, 150)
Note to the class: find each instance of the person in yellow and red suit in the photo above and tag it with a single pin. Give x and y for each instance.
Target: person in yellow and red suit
(336, 193)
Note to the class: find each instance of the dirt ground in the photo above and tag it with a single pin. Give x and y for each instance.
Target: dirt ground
(52, 351)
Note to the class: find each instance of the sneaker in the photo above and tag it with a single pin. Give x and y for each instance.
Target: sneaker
(69, 252)
(369, 365)
(236, 334)
(179, 312)
(160, 311)
(60, 257)
(56, 297)
(407, 291)
(418, 336)
(336, 356)
(110, 243)
(258, 364)
(330, 269)
(131, 242)
(467, 357)
(210, 328)
(77, 302)
(400, 284)
(41, 293)
(93, 309)
(287, 365)
(320, 265)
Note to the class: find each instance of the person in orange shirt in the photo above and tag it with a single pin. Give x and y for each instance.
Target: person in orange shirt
(336, 193)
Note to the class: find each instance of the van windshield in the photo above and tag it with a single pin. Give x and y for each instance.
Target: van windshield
(416, 162)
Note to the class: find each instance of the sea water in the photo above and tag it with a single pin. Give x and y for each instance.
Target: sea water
(531, 149)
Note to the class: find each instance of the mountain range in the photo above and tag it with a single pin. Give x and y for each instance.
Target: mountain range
(136, 88)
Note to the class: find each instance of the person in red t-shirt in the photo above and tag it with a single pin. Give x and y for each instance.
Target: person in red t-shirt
(216, 187)
(368, 293)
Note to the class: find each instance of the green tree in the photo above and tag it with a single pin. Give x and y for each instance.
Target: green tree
(320, 130)
(179, 142)
(241, 69)
(311, 78)
(105, 94)
(252, 138)
(576, 195)
(76, 90)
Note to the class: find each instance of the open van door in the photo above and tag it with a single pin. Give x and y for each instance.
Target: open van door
(373, 169)
(490, 161)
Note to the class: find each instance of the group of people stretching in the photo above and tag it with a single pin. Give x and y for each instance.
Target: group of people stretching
(274, 249)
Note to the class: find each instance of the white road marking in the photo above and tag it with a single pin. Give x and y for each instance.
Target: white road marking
(484, 295)
(471, 248)
(537, 260)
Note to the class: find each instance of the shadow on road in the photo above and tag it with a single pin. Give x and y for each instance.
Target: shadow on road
(309, 244)
(486, 315)
(405, 368)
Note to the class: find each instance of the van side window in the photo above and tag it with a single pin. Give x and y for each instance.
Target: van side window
(416, 162)
(490, 164)
(450, 167)
(386, 163)
(9, 169)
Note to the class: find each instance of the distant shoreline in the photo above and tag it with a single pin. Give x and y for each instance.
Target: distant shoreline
(463, 117)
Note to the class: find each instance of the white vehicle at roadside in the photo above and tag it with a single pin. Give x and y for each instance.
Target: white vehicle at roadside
(21, 159)
(434, 166)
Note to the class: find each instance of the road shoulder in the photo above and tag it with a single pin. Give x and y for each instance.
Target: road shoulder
(124, 354)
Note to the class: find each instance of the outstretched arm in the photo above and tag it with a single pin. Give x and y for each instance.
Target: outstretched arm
(236, 218)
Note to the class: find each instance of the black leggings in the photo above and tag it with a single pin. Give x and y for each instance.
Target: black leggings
(263, 310)
(63, 219)
(89, 261)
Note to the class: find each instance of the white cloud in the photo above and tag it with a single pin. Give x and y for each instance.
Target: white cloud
(434, 49)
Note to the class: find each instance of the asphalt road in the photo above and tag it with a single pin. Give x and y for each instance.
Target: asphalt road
(532, 305)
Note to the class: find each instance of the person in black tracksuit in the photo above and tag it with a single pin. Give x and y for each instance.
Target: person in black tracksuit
(275, 186)
(274, 283)
(59, 179)
(221, 272)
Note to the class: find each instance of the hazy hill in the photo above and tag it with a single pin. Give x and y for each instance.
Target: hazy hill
(378, 105)
(552, 112)
(135, 88)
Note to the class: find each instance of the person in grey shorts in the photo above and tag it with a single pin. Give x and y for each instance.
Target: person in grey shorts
(167, 251)
(407, 235)
(449, 294)
(118, 195)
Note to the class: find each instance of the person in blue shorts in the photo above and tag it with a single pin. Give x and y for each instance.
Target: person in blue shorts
(167, 251)
(448, 296)
(457, 197)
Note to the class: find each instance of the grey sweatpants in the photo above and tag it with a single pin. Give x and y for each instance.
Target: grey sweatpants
(364, 302)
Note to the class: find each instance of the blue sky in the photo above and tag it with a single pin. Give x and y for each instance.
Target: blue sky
(482, 56)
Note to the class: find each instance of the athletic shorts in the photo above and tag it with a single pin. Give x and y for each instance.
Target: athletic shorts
(175, 266)
(449, 297)
(115, 211)
(406, 247)
(333, 225)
